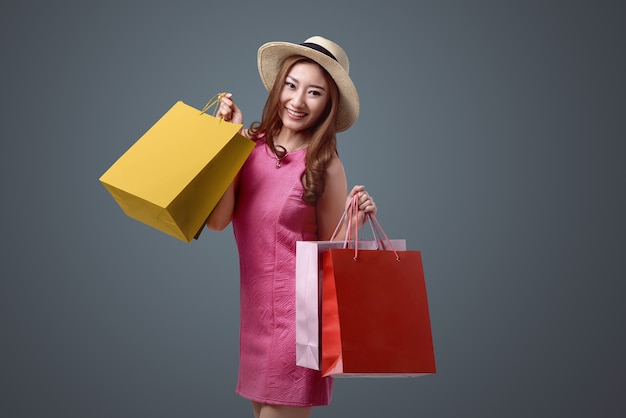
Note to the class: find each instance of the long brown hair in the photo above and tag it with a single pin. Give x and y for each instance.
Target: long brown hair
(322, 143)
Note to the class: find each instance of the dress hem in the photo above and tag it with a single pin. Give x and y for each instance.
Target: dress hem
(278, 402)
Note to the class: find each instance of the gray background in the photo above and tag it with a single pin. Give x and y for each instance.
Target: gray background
(491, 136)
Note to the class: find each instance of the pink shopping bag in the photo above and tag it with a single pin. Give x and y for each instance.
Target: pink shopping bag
(309, 272)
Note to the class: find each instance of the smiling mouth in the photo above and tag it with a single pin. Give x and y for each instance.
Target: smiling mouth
(296, 114)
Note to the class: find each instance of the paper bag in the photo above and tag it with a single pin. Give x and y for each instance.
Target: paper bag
(174, 175)
(309, 271)
(375, 315)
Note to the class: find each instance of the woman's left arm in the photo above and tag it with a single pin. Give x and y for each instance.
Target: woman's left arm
(333, 202)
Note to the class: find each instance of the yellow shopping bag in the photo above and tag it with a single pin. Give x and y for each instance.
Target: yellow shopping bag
(174, 175)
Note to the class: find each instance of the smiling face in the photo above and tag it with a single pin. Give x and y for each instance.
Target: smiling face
(303, 97)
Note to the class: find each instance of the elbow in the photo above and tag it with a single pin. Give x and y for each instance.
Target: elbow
(222, 214)
(217, 224)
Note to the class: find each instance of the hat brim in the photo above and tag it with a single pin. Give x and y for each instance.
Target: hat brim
(272, 54)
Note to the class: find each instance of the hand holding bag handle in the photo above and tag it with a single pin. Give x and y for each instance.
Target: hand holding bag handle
(351, 212)
(377, 230)
(213, 103)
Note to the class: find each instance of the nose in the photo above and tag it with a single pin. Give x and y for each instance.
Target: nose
(297, 99)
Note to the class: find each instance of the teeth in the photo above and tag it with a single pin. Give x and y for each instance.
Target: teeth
(296, 114)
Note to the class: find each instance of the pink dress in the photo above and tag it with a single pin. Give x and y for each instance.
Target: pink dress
(270, 216)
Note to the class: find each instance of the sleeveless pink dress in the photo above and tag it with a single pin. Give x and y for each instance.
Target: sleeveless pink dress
(270, 216)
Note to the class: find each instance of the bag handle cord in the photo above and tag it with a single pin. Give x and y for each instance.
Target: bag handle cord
(351, 211)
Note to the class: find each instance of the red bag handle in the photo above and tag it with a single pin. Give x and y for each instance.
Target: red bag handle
(371, 216)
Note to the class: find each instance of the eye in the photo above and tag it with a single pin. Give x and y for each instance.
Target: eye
(290, 85)
(315, 93)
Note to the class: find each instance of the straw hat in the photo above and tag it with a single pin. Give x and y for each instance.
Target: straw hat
(326, 53)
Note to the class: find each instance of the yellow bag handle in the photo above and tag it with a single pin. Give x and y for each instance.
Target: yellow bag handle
(213, 102)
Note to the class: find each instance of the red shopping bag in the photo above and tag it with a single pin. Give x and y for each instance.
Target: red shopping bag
(375, 315)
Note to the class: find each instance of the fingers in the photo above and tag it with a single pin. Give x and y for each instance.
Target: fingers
(225, 110)
(228, 110)
(365, 201)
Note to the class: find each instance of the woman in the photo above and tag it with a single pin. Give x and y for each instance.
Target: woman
(292, 188)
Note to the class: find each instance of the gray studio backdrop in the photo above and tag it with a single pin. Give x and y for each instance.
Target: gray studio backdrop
(491, 136)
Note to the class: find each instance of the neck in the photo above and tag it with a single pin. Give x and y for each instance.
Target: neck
(291, 142)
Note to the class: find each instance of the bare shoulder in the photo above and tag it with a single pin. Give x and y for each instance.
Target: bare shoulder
(331, 203)
(335, 167)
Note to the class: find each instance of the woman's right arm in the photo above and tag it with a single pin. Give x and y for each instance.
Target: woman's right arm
(223, 212)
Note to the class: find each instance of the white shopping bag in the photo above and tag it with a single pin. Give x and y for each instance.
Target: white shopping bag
(308, 294)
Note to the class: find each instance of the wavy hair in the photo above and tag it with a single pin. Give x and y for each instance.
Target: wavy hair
(322, 142)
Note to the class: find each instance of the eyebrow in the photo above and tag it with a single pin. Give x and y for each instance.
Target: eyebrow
(313, 85)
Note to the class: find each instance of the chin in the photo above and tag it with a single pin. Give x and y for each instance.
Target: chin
(295, 126)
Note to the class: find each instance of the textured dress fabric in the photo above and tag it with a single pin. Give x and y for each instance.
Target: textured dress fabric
(270, 216)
